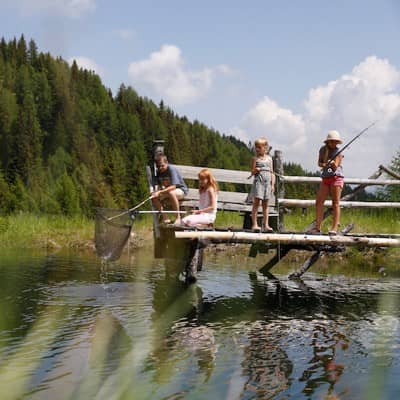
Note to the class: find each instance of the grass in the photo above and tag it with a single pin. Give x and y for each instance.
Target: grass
(26, 230)
(365, 221)
(29, 231)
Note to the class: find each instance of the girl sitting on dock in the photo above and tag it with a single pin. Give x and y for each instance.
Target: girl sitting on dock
(263, 184)
(207, 211)
(332, 181)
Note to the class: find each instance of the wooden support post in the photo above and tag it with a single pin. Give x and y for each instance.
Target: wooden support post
(281, 252)
(389, 172)
(315, 257)
(194, 261)
(279, 187)
(159, 242)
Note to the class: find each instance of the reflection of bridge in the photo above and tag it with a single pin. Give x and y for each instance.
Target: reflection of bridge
(263, 319)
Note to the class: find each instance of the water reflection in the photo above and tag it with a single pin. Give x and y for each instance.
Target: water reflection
(323, 367)
(75, 328)
(178, 334)
(266, 365)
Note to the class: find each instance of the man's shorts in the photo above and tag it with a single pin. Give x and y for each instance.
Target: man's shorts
(333, 181)
(179, 193)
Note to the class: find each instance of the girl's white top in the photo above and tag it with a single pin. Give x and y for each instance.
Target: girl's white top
(204, 202)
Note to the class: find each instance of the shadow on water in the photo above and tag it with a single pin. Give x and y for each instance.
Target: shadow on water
(134, 330)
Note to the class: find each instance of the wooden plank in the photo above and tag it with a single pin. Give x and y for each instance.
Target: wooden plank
(288, 238)
(234, 176)
(390, 172)
(221, 175)
(226, 197)
(344, 204)
(229, 201)
(229, 207)
(349, 181)
(223, 196)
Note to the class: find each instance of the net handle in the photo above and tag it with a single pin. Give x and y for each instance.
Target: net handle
(131, 209)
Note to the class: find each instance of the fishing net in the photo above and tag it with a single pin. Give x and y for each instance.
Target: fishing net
(112, 230)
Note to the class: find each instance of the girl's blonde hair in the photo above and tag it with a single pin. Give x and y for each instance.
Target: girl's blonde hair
(206, 173)
(262, 142)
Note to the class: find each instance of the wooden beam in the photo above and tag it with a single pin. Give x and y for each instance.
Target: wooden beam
(221, 175)
(234, 176)
(344, 204)
(288, 238)
(389, 172)
(315, 257)
(349, 181)
(229, 201)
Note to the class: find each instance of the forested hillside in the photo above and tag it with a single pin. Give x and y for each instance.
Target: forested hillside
(67, 144)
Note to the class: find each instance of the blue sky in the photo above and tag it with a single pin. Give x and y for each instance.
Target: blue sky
(287, 70)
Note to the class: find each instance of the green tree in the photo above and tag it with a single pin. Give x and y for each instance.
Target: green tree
(392, 192)
(27, 143)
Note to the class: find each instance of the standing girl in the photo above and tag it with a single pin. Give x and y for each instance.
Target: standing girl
(207, 211)
(332, 181)
(263, 184)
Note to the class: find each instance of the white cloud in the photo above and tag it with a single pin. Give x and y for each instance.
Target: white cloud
(87, 63)
(267, 117)
(165, 75)
(349, 104)
(65, 8)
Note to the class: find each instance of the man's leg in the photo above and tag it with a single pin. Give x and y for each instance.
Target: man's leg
(173, 197)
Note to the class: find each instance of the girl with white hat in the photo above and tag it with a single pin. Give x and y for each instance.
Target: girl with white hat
(332, 180)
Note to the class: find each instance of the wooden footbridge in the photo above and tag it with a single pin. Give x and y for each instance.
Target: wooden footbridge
(186, 245)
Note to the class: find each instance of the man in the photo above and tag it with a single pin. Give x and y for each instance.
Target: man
(170, 187)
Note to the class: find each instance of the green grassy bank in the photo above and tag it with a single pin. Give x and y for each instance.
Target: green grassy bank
(44, 231)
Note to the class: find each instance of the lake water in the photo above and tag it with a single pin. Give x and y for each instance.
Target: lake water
(72, 327)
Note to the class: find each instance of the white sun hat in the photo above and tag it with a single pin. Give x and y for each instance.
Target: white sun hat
(333, 135)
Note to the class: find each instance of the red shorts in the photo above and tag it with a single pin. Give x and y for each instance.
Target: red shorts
(333, 181)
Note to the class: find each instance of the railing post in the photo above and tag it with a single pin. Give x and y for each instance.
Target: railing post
(159, 243)
(279, 186)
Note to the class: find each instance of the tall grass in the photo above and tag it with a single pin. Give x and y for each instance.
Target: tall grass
(365, 221)
(30, 230)
(26, 230)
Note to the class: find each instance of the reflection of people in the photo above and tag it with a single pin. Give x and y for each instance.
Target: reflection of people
(199, 341)
(266, 365)
(332, 181)
(263, 184)
(170, 186)
(325, 345)
(207, 211)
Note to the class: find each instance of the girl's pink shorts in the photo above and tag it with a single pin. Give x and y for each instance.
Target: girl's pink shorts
(333, 181)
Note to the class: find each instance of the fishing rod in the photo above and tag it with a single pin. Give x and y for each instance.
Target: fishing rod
(348, 144)
(131, 209)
